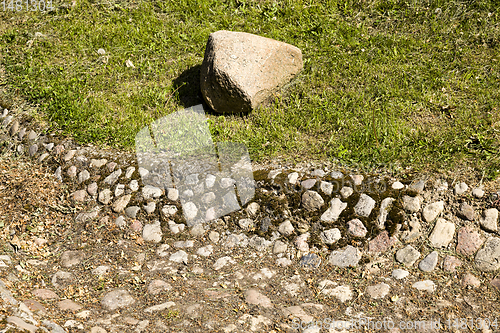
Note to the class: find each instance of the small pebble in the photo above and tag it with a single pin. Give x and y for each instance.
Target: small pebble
(478, 192)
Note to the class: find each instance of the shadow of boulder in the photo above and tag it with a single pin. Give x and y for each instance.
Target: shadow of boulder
(187, 84)
(188, 87)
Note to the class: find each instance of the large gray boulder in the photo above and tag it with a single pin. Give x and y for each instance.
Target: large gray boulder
(241, 70)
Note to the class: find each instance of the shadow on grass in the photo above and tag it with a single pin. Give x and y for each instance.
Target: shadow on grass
(189, 91)
(188, 87)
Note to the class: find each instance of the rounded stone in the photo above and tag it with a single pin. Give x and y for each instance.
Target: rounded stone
(399, 274)
(242, 70)
(292, 178)
(120, 204)
(397, 185)
(253, 208)
(349, 256)
(346, 192)
(83, 176)
(254, 297)
(478, 192)
(71, 258)
(466, 211)
(307, 184)
(330, 236)
(150, 207)
(132, 211)
(488, 258)
(461, 188)
(279, 247)
(426, 285)
(71, 171)
(190, 210)
(379, 290)
(432, 211)
(92, 189)
(156, 287)
(117, 299)
(407, 255)
(310, 260)
(105, 196)
(356, 228)
(286, 228)
(312, 201)
(442, 234)
(179, 257)
(152, 232)
(429, 262)
(173, 194)
(79, 195)
(411, 204)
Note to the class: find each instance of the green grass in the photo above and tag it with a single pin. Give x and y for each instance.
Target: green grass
(385, 83)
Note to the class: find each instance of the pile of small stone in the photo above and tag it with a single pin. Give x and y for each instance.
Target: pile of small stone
(298, 214)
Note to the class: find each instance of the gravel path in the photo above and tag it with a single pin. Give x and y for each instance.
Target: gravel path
(86, 246)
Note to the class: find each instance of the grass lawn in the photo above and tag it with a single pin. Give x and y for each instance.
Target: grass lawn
(391, 84)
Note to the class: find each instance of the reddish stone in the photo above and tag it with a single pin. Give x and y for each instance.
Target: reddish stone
(450, 264)
(79, 195)
(136, 225)
(356, 228)
(45, 294)
(382, 242)
(470, 280)
(495, 283)
(68, 305)
(34, 305)
(468, 241)
(213, 294)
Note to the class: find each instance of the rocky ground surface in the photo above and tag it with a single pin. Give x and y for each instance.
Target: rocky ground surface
(85, 246)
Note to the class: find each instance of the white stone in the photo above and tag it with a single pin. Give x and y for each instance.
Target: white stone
(478, 192)
(159, 307)
(489, 221)
(379, 290)
(364, 206)
(169, 210)
(346, 192)
(426, 285)
(326, 187)
(210, 181)
(179, 257)
(442, 234)
(432, 211)
(329, 288)
(253, 208)
(399, 274)
(149, 192)
(143, 172)
(333, 213)
(385, 207)
(411, 204)
(286, 228)
(190, 210)
(221, 262)
(152, 232)
(134, 185)
(461, 188)
(173, 194)
(330, 236)
(205, 251)
(117, 299)
(398, 185)
(292, 178)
